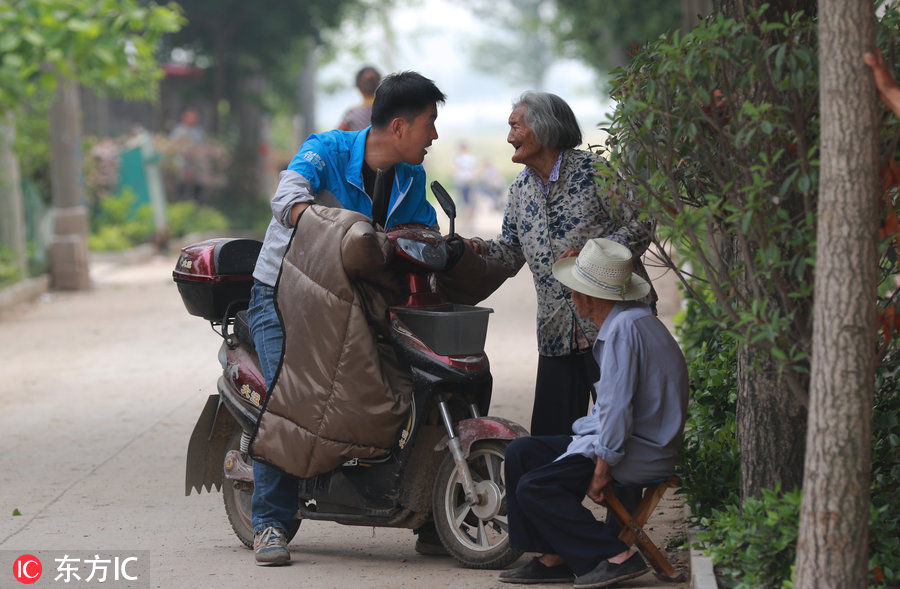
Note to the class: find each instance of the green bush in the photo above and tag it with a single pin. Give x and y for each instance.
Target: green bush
(109, 238)
(119, 223)
(709, 463)
(753, 545)
(718, 133)
(884, 544)
(9, 270)
(187, 217)
(709, 466)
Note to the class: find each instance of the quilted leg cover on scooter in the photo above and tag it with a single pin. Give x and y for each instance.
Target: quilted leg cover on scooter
(338, 394)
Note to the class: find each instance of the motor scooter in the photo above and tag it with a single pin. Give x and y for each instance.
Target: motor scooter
(446, 465)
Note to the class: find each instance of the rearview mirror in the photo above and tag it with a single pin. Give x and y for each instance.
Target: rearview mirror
(446, 202)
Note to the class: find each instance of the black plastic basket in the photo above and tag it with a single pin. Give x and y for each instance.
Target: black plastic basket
(450, 329)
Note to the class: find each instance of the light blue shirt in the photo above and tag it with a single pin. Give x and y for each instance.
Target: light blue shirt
(327, 170)
(637, 421)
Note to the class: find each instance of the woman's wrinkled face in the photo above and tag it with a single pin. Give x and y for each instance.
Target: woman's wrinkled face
(522, 138)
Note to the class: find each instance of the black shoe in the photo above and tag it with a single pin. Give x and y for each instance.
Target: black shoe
(607, 573)
(428, 542)
(537, 572)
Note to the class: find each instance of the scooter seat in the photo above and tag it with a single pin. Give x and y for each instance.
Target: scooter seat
(242, 330)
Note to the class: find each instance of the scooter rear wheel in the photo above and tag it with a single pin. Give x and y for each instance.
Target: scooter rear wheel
(476, 536)
(237, 495)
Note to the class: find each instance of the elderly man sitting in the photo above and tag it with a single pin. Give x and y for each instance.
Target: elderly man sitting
(631, 436)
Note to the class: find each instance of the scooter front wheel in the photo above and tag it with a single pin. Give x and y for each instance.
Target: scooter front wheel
(237, 496)
(475, 535)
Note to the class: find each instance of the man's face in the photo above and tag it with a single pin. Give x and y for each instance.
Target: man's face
(592, 308)
(417, 136)
(582, 303)
(522, 138)
(368, 82)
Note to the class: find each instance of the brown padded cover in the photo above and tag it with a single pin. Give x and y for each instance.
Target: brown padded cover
(338, 394)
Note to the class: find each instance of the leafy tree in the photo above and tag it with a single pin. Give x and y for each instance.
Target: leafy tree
(520, 46)
(107, 44)
(528, 35)
(719, 131)
(241, 38)
(254, 50)
(603, 32)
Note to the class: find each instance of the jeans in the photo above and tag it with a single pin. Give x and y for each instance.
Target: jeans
(275, 492)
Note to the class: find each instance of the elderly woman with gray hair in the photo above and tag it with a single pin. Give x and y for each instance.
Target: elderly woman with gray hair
(554, 207)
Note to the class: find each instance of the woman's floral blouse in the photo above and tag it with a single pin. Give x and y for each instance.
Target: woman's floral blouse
(542, 221)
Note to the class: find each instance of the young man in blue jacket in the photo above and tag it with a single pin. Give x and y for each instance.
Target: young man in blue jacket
(337, 169)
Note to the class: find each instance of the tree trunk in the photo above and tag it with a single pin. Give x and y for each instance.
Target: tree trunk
(246, 172)
(692, 11)
(306, 95)
(12, 205)
(68, 248)
(832, 548)
(771, 425)
(219, 81)
(388, 50)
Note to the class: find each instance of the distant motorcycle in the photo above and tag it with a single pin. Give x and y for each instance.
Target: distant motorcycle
(447, 462)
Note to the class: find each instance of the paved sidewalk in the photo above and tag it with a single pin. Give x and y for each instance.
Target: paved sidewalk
(105, 387)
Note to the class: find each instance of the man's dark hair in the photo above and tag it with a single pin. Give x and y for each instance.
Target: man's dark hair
(367, 80)
(404, 94)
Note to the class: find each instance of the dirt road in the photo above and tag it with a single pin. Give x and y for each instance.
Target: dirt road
(102, 390)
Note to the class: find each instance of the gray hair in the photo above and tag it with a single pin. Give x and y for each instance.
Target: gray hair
(551, 119)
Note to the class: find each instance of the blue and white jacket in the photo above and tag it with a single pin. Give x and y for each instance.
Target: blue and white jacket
(328, 171)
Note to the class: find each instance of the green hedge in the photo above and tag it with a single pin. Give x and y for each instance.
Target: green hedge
(118, 224)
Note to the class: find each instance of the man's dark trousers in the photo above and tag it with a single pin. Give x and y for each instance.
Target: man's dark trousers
(544, 502)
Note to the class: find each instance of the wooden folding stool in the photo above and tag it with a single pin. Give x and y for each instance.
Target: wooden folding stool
(633, 525)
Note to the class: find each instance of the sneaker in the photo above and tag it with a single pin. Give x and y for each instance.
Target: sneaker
(428, 542)
(607, 573)
(270, 547)
(537, 572)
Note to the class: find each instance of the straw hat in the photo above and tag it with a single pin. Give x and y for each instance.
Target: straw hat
(603, 269)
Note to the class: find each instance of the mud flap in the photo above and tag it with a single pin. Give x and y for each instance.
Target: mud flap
(206, 449)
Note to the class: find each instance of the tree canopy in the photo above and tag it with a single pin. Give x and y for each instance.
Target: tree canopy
(240, 37)
(106, 44)
(603, 32)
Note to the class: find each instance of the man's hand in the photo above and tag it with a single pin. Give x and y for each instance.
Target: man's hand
(570, 253)
(887, 87)
(457, 246)
(599, 481)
